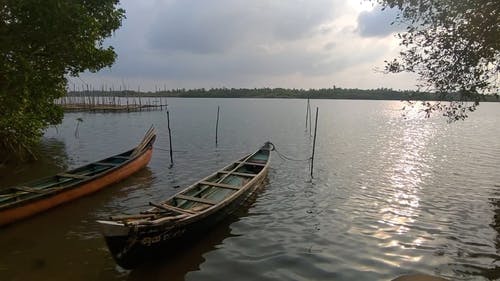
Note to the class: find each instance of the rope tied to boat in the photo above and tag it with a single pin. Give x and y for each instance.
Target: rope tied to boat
(284, 157)
(272, 148)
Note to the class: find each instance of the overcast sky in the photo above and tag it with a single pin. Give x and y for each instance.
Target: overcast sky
(259, 43)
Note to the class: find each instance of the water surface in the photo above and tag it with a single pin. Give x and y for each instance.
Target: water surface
(390, 195)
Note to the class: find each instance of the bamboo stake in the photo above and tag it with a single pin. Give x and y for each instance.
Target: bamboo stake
(217, 127)
(170, 140)
(307, 111)
(314, 141)
(310, 117)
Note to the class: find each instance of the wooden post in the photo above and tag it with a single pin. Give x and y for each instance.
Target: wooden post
(310, 117)
(170, 140)
(314, 141)
(217, 127)
(307, 111)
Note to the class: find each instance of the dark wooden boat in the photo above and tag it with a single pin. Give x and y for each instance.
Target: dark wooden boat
(163, 229)
(19, 202)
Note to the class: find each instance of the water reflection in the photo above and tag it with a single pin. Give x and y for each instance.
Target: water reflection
(179, 263)
(388, 193)
(176, 265)
(491, 272)
(52, 158)
(405, 177)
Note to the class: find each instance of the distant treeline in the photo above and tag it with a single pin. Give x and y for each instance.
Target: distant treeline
(330, 93)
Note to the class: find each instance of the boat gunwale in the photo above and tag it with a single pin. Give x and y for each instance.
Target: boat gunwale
(207, 211)
(52, 191)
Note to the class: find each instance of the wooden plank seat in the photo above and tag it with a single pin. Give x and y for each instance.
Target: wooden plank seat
(107, 164)
(75, 176)
(251, 163)
(122, 157)
(238, 174)
(127, 217)
(171, 208)
(27, 189)
(221, 185)
(195, 199)
(258, 161)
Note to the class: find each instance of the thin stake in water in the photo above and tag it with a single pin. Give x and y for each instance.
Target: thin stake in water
(310, 117)
(170, 140)
(217, 127)
(314, 141)
(307, 111)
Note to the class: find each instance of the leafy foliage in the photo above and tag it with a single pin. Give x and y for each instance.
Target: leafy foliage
(453, 46)
(41, 43)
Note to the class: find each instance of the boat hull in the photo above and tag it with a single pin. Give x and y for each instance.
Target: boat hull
(52, 200)
(139, 245)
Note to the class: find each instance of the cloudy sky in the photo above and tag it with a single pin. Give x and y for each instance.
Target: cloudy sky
(259, 43)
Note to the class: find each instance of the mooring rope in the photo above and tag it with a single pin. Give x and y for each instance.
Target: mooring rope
(285, 158)
(280, 154)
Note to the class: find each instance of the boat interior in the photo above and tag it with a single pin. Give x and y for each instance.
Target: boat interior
(206, 193)
(61, 180)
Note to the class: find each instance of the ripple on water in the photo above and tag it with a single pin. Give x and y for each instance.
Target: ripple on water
(389, 196)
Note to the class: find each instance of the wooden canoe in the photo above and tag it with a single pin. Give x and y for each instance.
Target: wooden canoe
(170, 225)
(19, 202)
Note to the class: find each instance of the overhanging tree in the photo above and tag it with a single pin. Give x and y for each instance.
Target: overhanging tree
(42, 42)
(453, 46)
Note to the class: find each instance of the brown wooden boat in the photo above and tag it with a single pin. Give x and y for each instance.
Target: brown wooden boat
(171, 224)
(19, 202)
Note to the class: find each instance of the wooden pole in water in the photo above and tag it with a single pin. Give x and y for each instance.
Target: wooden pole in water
(170, 139)
(314, 141)
(307, 111)
(217, 127)
(310, 117)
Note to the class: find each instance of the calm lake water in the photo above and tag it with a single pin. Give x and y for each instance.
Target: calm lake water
(390, 195)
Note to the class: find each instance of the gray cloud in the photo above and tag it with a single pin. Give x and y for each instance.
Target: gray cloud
(214, 39)
(213, 26)
(378, 23)
(238, 43)
(330, 45)
(244, 63)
